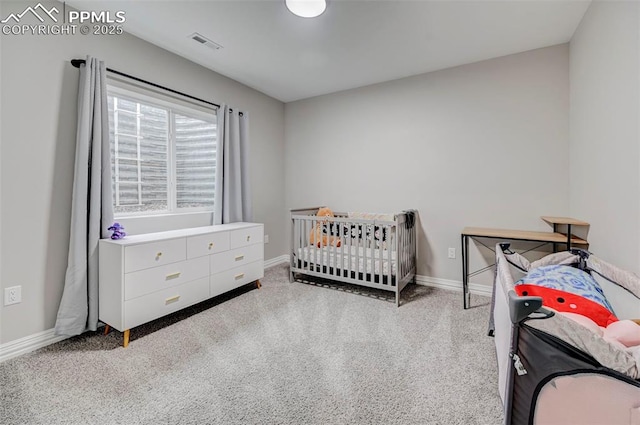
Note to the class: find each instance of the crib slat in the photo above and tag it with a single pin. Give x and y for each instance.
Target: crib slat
(372, 254)
(364, 253)
(388, 248)
(331, 253)
(317, 246)
(361, 252)
(326, 249)
(372, 257)
(347, 246)
(409, 242)
(322, 250)
(348, 241)
(367, 254)
(358, 242)
(305, 243)
(294, 245)
(402, 245)
(339, 250)
(350, 253)
(383, 247)
(370, 261)
(380, 265)
(301, 244)
(407, 245)
(398, 253)
(336, 259)
(329, 247)
(325, 253)
(312, 252)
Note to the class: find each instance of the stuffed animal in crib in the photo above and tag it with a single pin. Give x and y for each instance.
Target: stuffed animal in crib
(317, 237)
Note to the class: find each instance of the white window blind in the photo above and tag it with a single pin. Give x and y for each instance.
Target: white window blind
(163, 155)
(195, 162)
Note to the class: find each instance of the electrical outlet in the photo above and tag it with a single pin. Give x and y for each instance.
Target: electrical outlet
(452, 253)
(12, 295)
(266, 238)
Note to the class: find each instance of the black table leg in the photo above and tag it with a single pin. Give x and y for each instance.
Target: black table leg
(465, 271)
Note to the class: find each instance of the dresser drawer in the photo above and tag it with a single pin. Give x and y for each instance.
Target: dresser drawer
(236, 258)
(236, 277)
(149, 307)
(244, 237)
(144, 256)
(198, 246)
(155, 279)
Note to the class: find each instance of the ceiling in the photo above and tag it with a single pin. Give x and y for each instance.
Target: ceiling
(353, 44)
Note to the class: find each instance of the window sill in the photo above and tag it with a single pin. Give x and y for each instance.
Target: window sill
(138, 225)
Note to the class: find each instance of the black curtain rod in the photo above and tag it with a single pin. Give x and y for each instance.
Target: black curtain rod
(78, 62)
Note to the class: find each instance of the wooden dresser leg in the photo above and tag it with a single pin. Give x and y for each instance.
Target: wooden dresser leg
(258, 284)
(126, 339)
(106, 329)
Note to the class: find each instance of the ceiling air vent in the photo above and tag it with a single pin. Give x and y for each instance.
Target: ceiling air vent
(205, 41)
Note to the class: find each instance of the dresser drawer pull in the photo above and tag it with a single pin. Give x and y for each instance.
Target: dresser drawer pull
(239, 257)
(211, 245)
(248, 238)
(171, 300)
(158, 255)
(239, 276)
(173, 275)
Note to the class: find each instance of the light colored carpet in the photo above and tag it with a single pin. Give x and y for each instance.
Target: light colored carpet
(284, 354)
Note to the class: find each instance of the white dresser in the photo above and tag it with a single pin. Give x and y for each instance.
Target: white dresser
(145, 277)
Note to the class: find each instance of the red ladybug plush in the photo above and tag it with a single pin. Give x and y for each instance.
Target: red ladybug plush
(567, 302)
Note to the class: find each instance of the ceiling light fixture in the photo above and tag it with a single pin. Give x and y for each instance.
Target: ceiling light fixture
(306, 8)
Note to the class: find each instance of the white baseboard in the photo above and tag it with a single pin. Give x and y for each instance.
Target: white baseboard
(275, 261)
(30, 343)
(33, 342)
(453, 285)
(27, 344)
(435, 282)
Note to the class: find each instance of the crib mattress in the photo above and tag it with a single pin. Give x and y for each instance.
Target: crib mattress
(360, 256)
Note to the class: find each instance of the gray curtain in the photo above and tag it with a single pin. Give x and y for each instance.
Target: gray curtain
(92, 204)
(233, 132)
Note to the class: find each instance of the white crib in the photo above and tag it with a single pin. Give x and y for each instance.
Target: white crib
(377, 253)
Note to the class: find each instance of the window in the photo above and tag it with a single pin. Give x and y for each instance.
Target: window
(163, 155)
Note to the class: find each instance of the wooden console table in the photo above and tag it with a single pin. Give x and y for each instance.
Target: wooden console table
(556, 238)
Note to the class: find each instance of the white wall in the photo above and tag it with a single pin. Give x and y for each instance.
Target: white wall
(604, 119)
(38, 125)
(485, 144)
